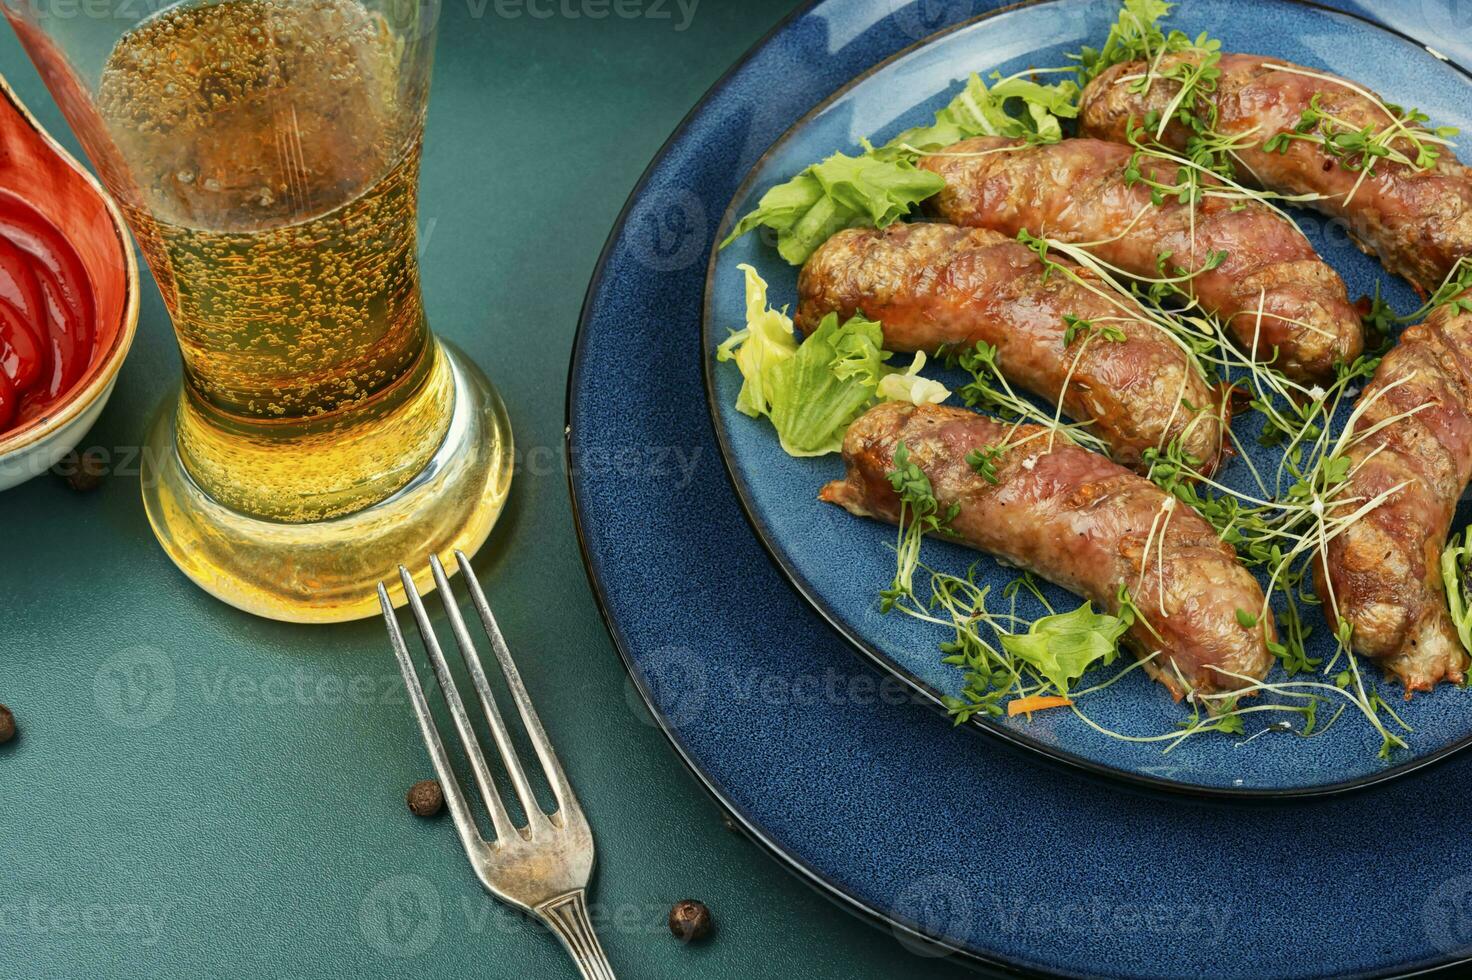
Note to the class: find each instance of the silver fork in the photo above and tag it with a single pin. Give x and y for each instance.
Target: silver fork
(544, 867)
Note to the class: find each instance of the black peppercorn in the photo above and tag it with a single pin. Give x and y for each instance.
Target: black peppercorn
(425, 798)
(82, 472)
(7, 725)
(690, 921)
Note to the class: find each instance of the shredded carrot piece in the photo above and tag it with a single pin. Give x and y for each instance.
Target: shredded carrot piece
(1036, 702)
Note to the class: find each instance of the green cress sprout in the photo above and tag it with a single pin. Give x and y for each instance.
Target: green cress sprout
(1279, 526)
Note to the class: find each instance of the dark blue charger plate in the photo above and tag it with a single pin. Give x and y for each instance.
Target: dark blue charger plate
(840, 563)
(861, 787)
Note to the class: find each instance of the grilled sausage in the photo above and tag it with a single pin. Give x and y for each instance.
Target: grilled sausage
(935, 285)
(1382, 574)
(1076, 519)
(1419, 222)
(1273, 290)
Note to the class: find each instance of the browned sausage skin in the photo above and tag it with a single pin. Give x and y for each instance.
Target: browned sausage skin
(1081, 521)
(1383, 572)
(1273, 290)
(1419, 222)
(935, 285)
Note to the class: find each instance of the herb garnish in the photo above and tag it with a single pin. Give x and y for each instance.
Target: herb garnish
(882, 185)
(1279, 527)
(919, 515)
(1135, 36)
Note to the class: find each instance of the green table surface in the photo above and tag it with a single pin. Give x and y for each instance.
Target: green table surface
(196, 792)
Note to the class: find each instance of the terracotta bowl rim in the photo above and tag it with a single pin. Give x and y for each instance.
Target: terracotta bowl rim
(104, 370)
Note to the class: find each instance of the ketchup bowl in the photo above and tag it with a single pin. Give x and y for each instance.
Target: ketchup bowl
(68, 296)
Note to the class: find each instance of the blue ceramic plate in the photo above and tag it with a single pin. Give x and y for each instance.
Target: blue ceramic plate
(840, 563)
(855, 785)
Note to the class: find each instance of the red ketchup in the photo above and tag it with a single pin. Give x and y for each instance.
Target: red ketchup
(47, 314)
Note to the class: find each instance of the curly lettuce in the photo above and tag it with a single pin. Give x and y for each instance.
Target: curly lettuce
(1456, 578)
(1016, 107)
(909, 386)
(882, 185)
(813, 390)
(841, 192)
(1063, 646)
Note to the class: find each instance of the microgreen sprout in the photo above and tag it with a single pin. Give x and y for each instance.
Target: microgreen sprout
(1404, 138)
(1455, 290)
(1284, 522)
(990, 391)
(1280, 529)
(919, 515)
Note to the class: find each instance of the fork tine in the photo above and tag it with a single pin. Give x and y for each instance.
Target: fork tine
(465, 826)
(561, 789)
(500, 819)
(534, 815)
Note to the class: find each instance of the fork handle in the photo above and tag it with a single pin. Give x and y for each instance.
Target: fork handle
(567, 917)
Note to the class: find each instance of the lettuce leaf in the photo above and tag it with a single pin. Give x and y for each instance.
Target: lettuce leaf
(909, 386)
(841, 192)
(812, 391)
(828, 384)
(1456, 577)
(767, 341)
(996, 111)
(880, 186)
(1063, 646)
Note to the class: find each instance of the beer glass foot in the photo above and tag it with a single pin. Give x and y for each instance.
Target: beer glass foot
(328, 571)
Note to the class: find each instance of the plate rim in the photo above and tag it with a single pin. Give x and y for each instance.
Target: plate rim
(799, 868)
(591, 566)
(1014, 738)
(748, 827)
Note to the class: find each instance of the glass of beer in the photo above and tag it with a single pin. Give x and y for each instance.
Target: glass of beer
(266, 156)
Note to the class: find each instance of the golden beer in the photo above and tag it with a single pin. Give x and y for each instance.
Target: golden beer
(274, 197)
(266, 155)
